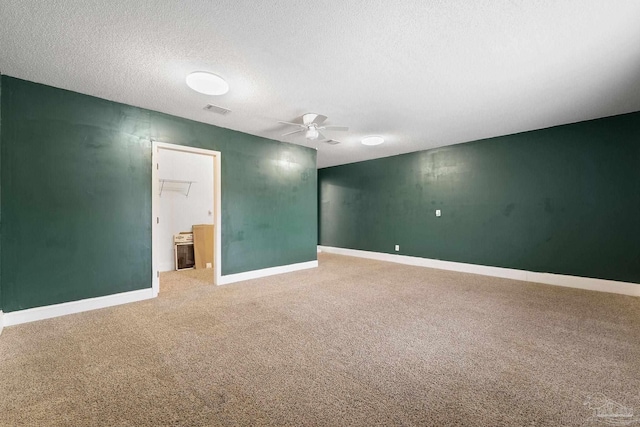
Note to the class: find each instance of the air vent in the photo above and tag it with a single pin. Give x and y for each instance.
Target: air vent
(216, 109)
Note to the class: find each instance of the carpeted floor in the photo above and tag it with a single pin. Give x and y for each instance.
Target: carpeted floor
(354, 342)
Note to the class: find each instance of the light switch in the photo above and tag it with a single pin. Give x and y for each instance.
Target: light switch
(438, 213)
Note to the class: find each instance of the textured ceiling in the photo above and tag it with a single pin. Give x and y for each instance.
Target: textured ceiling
(420, 73)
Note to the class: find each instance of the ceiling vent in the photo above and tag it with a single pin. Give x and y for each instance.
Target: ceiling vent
(216, 109)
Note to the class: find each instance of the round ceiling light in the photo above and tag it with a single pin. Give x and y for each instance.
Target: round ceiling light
(207, 83)
(372, 140)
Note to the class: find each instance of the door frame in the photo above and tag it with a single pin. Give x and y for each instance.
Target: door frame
(155, 208)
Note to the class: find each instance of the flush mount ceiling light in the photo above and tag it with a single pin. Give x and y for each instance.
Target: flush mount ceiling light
(207, 83)
(372, 140)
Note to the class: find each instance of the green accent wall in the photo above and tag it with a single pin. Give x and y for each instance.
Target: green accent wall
(0, 193)
(76, 195)
(560, 200)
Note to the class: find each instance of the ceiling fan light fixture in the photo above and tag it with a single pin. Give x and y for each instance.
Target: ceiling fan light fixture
(312, 133)
(372, 140)
(207, 83)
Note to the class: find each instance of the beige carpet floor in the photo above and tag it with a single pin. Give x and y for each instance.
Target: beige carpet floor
(354, 342)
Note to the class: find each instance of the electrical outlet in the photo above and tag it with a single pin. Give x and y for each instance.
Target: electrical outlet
(397, 248)
(438, 213)
(209, 265)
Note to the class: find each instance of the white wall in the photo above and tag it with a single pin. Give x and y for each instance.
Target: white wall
(178, 212)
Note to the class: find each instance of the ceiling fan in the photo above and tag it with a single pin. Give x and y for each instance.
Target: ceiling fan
(311, 126)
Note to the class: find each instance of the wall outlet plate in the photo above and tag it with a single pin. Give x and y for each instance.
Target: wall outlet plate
(438, 212)
(209, 265)
(397, 248)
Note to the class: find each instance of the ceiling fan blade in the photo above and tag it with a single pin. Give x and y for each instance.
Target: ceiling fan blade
(331, 142)
(338, 128)
(292, 124)
(291, 133)
(319, 119)
(307, 119)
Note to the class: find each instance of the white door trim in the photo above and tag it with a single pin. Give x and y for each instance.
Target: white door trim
(155, 208)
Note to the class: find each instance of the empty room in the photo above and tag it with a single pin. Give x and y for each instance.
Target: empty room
(279, 213)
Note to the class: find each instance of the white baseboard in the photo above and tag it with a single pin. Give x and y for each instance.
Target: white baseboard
(49, 311)
(1, 322)
(255, 274)
(588, 283)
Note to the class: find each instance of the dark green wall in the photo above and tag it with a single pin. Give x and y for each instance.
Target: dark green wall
(0, 193)
(560, 200)
(76, 195)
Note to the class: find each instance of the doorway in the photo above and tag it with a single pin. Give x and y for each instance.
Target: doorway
(186, 192)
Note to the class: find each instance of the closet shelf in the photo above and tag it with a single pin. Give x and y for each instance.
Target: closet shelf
(175, 181)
